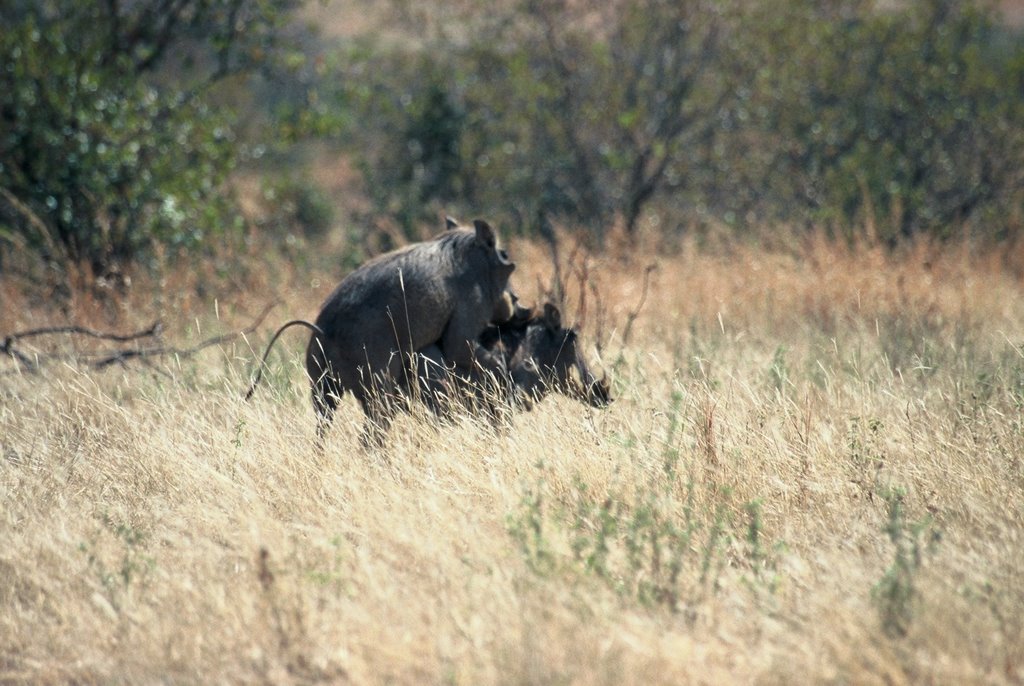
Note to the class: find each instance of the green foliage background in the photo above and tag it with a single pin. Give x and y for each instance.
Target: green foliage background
(905, 118)
(895, 118)
(110, 142)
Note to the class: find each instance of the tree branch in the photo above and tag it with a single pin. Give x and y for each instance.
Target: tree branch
(101, 360)
(631, 317)
(153, 330)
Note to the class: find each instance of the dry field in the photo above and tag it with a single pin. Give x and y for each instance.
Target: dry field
(812, 473)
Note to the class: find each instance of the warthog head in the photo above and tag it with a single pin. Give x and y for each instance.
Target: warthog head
(544, 356)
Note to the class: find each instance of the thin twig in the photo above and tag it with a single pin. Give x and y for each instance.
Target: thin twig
(32, 218)
(101, 360)
(631, 317)
(123, 356)
(8, 349)
(153, 330)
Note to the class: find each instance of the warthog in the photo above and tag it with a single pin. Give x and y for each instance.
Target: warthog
(505, 310)
(540, 356)
(441, 292)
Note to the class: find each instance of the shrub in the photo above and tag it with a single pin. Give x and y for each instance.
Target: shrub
(296, 204)
(535, 114)
(108, 142)
(902, 118)
(896, 594)
(907, 119)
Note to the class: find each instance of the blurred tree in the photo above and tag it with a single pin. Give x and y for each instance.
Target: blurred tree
(546, 108)
(108, 141)
(638, 121)
(900, 117)
(906, 119)
(409, 131)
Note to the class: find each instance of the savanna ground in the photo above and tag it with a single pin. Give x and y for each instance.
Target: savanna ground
(812, 472)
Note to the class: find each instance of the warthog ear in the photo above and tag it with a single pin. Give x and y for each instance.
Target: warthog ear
(484, 233)
(450, 223)
(552, 317)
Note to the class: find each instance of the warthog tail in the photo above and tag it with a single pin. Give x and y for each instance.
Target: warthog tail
(263, 363)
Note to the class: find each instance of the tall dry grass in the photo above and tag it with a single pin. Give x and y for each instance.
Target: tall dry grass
(812, 473)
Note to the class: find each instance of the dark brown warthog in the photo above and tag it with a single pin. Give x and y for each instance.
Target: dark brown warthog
(440, 292)
(540, 356)
(505, 310)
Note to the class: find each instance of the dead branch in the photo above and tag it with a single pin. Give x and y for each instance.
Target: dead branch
(555, 290)
(635, 312)
(103, 359)
(33, 220)
(153, 330)
(27, 362)
(123, 356)
(602, 316)
(583, 275)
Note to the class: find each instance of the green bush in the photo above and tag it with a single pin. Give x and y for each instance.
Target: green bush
(664, 541)
(896, 594)
(908, 119)
(296, 204)
(409, 136)
(904, 119)
(533, 118)
(108, 143)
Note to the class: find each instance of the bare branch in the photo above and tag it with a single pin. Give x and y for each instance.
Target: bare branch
(123, 356)
(153, 330)
(27, 362)
(32, 218)
(631, 317)
(101, 360)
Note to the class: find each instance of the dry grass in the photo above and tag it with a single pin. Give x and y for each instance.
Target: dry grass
(724, 521)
